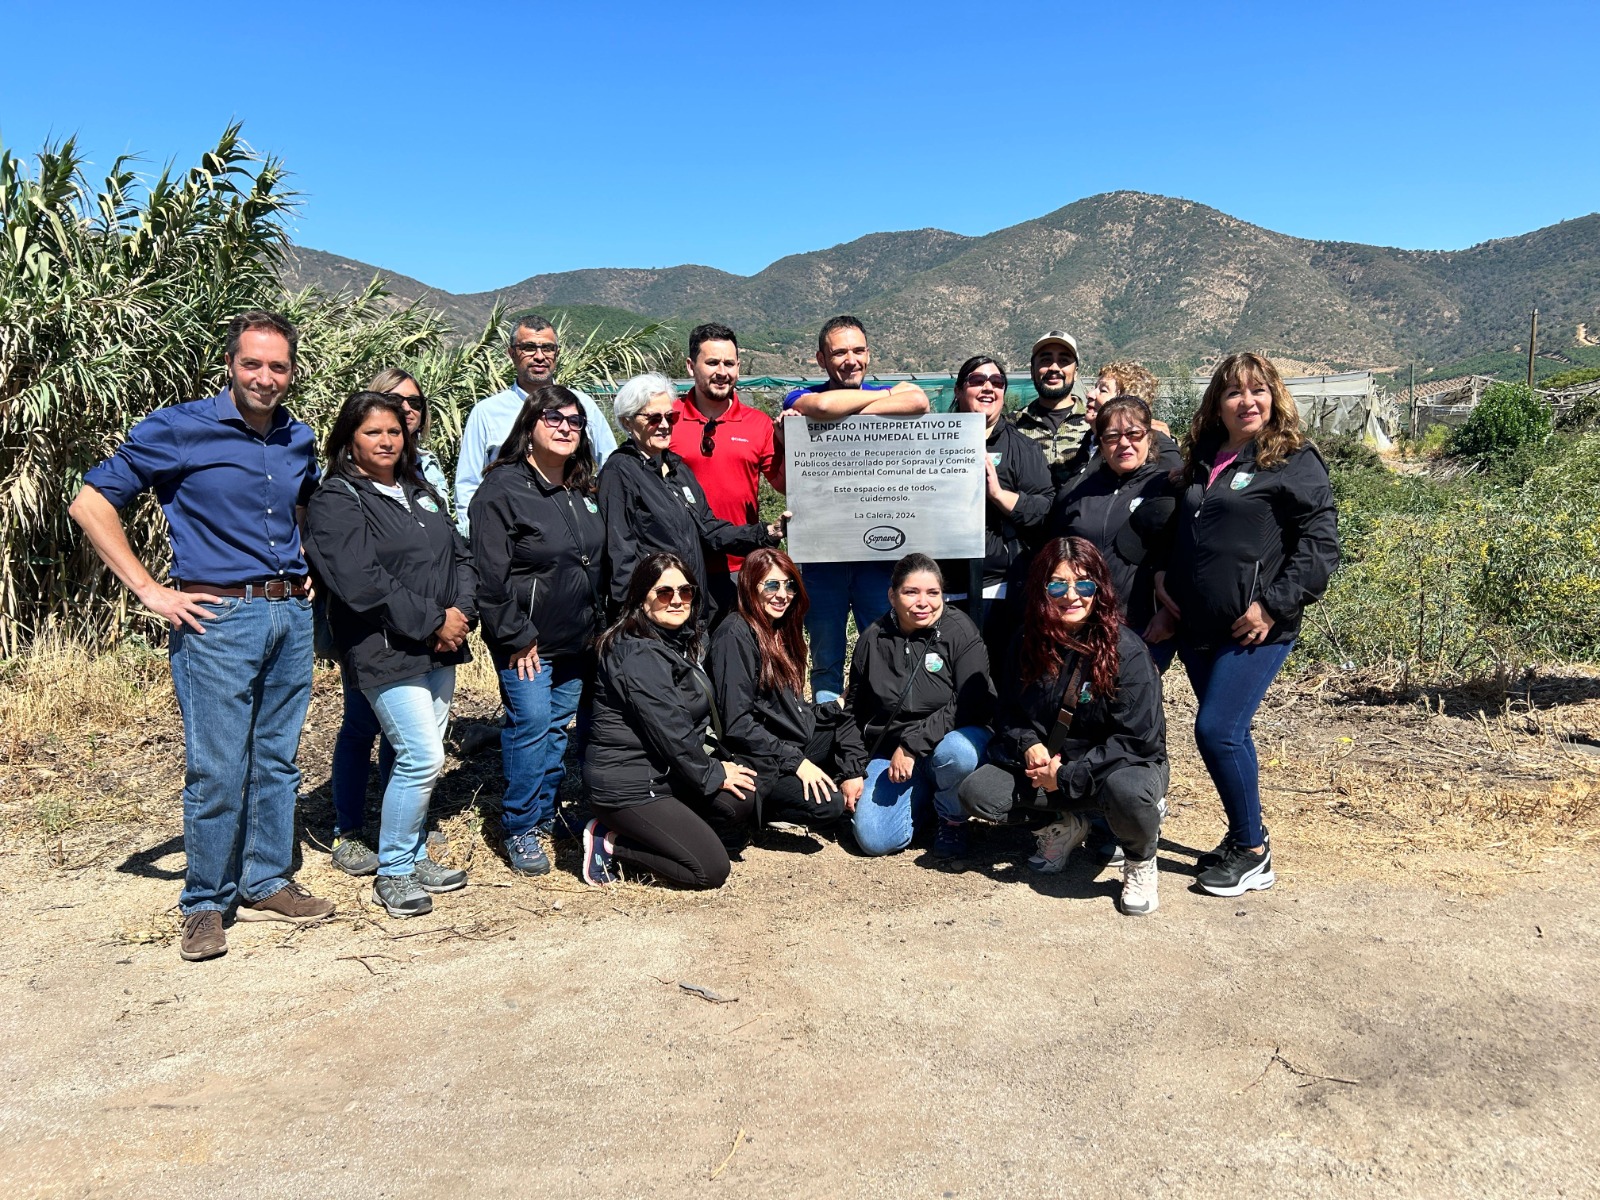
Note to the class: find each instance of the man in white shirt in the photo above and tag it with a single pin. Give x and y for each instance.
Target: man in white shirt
(533, 353)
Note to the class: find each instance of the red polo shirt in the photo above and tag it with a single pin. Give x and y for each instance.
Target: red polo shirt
(741, 453)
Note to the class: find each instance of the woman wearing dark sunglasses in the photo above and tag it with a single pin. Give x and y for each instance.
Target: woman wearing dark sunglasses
(652, 501)
(1018, 494)
(665, 797)
(537, 540)
(758, 672)
(1080, 726)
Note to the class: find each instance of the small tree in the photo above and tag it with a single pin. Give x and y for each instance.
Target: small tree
(1508, 417)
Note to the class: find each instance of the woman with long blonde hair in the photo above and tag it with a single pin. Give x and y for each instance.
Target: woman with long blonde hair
(1256, 537)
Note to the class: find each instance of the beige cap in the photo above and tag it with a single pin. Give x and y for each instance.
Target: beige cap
(1055, 338)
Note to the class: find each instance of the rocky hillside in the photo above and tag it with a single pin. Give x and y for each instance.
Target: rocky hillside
(1128, 273)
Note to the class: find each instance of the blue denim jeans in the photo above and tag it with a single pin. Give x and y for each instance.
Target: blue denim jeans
(352, 759)
(887, 813)
(1229, 683)
(243, 687)
(836, 589)
(534, 739)
(413, 714)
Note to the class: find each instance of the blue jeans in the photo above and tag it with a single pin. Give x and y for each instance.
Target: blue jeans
(352, 758)
(243, 687)
(413, 714)
(1229, 683)
(534, 739)
(887, 812)
(836, 589)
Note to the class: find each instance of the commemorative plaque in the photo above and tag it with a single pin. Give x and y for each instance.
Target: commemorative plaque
(868, 488)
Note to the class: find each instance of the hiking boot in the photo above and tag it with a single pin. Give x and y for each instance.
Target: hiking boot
(353, 856)
(950, 839)
(401, 896)
(1140, 880)
(431, 877)
(526, 855)
(202, 936)
(289, 903)
(1240, 871)
(599, 849)
(1055, 842)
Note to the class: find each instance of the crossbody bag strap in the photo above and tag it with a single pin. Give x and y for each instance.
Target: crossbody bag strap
(905, 694)
(1069, 709)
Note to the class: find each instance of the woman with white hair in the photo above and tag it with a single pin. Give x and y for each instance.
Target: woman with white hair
(652, 502)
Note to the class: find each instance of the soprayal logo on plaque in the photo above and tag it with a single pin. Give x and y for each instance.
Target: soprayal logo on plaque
(868, 488)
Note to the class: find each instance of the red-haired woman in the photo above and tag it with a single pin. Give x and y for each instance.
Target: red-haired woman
(1080, 727)
(758, 671)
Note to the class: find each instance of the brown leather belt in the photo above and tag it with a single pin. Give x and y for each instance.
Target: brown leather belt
(266, 589)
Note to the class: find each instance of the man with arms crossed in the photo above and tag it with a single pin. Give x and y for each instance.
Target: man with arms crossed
(231, 473)
(726, 443)
(534, 353)
(1056, 420)
(838, 588)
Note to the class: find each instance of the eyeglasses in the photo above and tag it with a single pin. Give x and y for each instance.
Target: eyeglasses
(554, 418)
(1057, 589)
(656, 419)
(414, 403)
(664, 593)
(1132, 436)
(547, 349)
(995, 381)
(772, 586)
(706, 444)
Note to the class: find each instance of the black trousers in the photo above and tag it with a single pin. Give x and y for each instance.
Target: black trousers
(1128, 797)
(782, 797)
(684, 841)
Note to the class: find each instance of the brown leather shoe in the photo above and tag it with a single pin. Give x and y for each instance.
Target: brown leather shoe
(290, 903)
(202, 936)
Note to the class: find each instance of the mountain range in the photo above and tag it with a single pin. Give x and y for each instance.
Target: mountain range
(1129, 274)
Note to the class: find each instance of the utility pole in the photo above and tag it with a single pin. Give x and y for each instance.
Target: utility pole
(1533, 339)
(1413, 401)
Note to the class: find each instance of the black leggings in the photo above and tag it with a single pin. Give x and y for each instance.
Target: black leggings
(677, 840)
(783, 796)
(1129, 797)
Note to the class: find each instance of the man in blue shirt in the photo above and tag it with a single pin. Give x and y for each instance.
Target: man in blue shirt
(534, 352)
(231, 473)
(838, 588)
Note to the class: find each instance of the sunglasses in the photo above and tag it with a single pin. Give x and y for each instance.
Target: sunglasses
(657, 420)
(1132, 436)
(772, 586)
(414, 403)
(664, 593)
(554, 418)
(994, 381)
(548, 349)
(1057, 589)
(706, 444)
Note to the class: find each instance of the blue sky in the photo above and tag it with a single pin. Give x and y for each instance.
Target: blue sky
(474, 145)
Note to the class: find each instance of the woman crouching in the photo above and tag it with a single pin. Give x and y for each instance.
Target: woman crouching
(1081, 727)
(665, 800)
(758, 671)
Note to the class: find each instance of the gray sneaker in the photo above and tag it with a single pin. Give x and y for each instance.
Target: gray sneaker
(353, 856)
(400, 896)
(431, 877)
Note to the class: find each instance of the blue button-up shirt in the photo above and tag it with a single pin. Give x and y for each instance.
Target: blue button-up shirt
(229, 493)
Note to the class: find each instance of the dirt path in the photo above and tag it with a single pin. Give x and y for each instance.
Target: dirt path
(1409, 1013)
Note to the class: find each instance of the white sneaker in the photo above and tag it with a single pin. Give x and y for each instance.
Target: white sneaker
(1139, 885)
(1056, 842)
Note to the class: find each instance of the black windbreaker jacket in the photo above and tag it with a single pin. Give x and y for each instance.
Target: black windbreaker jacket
(1270, 535)
(765, 729)
(651, 717)
(646, 513)
(1008, 537)
(538, 548)
(1107, 732)
(1126, 517)
(943, 673)
(389, 574)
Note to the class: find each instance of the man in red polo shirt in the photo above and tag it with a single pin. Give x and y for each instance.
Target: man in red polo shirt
(727, 444)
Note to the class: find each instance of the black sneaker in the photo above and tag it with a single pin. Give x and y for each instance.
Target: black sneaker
(1240, 871)
(1212, 857)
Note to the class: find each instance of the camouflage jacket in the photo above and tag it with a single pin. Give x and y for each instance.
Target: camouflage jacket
(1060, 444)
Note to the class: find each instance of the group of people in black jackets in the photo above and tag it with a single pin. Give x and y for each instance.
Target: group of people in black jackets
(604, 594)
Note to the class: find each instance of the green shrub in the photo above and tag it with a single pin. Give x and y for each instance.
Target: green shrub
(1576, 377)
(1508, 416)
